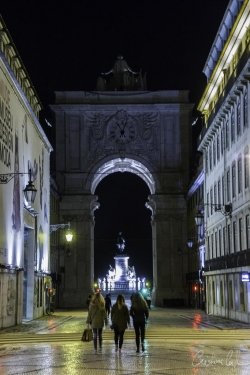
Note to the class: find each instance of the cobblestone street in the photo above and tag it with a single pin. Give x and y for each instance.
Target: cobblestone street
(178, 342)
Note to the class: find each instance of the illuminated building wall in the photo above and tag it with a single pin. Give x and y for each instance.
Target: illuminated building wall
(225, 144)
(24, 227)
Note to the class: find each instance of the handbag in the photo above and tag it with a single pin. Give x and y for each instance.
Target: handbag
(87, 334)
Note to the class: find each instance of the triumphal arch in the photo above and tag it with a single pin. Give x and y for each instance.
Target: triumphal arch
(124, 127)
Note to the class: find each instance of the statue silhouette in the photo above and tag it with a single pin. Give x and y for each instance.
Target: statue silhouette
(120, 243)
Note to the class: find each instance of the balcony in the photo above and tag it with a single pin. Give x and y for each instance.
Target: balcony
(239, 259)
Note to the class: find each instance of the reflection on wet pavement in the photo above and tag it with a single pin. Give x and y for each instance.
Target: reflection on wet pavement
(178, 342)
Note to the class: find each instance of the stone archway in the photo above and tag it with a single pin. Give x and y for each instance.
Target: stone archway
(146, 133)
(123, 165)
(123, 197)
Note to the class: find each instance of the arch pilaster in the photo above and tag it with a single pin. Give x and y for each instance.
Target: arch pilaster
(78, 267)
(168, 248)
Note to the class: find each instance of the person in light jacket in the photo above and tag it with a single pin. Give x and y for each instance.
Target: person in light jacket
(97, 317)
(120, 320)
(139, 312)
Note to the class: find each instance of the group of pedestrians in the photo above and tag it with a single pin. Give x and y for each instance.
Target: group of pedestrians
(98, 313)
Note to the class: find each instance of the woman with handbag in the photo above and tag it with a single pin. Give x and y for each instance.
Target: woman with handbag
(139, 312)
(97, 317)
(120, 320)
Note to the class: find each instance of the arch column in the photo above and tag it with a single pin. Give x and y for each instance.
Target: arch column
(78, 275)
(169, 244)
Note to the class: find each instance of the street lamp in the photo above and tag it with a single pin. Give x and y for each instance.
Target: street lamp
(190, 243)
(199, 219)
(29, 190)
(68, 235)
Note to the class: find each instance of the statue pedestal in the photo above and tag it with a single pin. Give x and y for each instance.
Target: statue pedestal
(121, 278)
(121, 268)
(121, 272)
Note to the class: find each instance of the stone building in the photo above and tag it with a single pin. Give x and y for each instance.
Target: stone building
(225, 144)
(123, 127)
(24, 167)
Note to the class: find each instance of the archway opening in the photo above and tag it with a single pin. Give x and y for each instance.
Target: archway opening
(122, 198)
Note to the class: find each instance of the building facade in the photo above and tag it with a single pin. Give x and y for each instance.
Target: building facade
(196, 240)
(24, 161)
(124, 128)
(225, 144)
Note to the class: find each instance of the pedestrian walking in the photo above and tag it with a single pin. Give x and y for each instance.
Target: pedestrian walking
(97, 317)
(120, 320)
(108, 304)
(139, 313)
(88, 300)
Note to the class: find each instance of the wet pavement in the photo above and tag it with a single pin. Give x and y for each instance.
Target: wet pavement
(178, 341)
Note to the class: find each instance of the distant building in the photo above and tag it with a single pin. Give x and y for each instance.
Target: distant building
(24, 160)
(225, 144)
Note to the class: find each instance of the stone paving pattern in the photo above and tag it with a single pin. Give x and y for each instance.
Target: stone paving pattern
(162, 356)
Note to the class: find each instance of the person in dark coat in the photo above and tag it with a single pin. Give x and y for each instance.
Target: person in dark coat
(120, 320)
(97, 317)
(139, 312)
(108, 304)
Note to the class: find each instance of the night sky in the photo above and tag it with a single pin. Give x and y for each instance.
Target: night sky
(66, 45)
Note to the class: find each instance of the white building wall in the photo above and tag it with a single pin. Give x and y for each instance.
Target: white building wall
(23, 147)
(225, 105)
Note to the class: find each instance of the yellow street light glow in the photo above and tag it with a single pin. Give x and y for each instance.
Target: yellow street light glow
(69, 236)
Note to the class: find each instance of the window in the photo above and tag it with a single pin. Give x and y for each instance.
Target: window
(208, 247)
(245, 111)
(233, 180)
(213, 291)
(246, 168)
(227, 134)
(247, 231)
(234, 237)
(221, 293)
(239, 175)
(228, 186)
(211, 201)
(223, 189)
(216, 245)
(230, 294)
(218, 146)
(210, 158)
(242, 297)
(240, 233)
(239, 116)
(215, 194)
(222, 140)
(232, 126)
(224, 241)
(219, 192)
(212, 245)
(207, 207)
(229, 238)
(219, 243)
(206, 160)
(214, 152)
